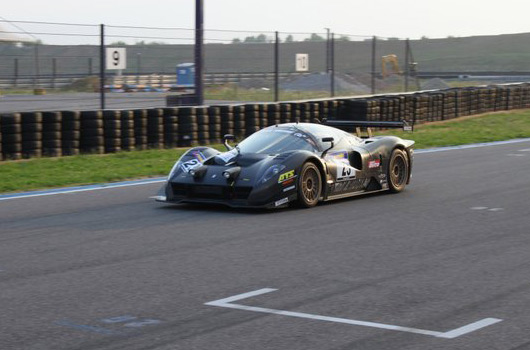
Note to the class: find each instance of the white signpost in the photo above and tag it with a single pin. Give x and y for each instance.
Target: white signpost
(302, 62)
(116, 58)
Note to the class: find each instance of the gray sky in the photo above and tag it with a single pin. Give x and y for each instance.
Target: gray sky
(405, 18)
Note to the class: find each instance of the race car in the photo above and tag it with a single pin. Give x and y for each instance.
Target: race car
(303, 163)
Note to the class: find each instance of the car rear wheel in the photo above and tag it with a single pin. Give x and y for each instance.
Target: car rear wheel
(398, 171)
(309, 185)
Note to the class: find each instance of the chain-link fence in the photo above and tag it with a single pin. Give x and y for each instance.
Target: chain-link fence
(52, 66)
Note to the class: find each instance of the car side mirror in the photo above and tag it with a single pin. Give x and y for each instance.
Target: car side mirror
(226, 138)
(328, 139)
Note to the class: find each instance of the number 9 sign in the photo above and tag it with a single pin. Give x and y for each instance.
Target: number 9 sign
(116, 58)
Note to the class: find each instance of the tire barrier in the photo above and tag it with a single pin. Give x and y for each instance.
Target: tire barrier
(155, 128)
(171, 127)
(31, 123)
(51, 134)
(64, 133)
(92, 137)
(70, 132)
(10, 125)
(140, 128)
(214, 121)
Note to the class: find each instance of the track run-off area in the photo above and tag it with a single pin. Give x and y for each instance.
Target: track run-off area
(442, 265)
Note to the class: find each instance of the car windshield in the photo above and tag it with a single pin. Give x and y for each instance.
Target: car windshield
(277, 140)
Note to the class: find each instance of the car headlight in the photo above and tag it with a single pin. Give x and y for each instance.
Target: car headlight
(271, 172)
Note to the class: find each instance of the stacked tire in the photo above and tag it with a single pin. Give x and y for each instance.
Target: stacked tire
(92, 138)
(52, 134)
(112, 130)
(262, 114)
(155, 128)
(187, 127)
(239, 121)
(31, 134)
(285, 113)
(70, 132)
(227, 120)
(203, 131)
(252, 119)
(171, 127)
(214, 121)
(273, 114)
(140, 128)
(128, 141)
(10, 125)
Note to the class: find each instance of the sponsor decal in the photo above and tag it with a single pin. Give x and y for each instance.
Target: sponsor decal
(199, 156)
(281, 201)
(227, 156)
(289, 188)
(345, 172)
(337, 155)
(190, 164)
(286, 176)
(374, 164)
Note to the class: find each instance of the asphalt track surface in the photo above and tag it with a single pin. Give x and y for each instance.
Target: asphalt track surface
(112, 269)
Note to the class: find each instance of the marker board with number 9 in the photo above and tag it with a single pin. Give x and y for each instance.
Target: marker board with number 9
(116, 58)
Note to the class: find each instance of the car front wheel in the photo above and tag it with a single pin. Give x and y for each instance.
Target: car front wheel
(309, 185)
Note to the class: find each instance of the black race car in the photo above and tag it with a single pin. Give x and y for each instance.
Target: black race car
(295, 162)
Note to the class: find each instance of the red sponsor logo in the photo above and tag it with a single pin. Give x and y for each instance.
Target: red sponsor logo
(374, 164)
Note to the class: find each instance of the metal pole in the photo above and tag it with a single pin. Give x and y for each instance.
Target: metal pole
(277, 68)
(332, 64)
(37, 67)
(199, 55)
(16, 72)
(407, 65)
(102, 66)
(54, 71)
(90, 66)
(374, 43)
(138, 62)
(327, 50)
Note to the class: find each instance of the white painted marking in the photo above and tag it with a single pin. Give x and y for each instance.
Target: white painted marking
(516, 155)
(227, 303)
(486, 208)
(470, 328)
(495, 209)
(524, 150)
(66, 190)
(473, 145)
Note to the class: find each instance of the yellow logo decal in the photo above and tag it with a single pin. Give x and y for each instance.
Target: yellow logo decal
(286, 176)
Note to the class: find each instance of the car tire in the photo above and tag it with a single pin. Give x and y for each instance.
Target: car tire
(309, 185)
(398, 171)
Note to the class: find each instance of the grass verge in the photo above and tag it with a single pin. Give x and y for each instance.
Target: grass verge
(498, 126)
(89, 169)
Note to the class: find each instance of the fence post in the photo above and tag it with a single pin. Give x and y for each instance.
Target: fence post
(332, 63)
(90, 66)
(407, 64)
(102, 66)
(277, 68)
(54, 71)
(199, 56)
(374, 43)
(16, 72)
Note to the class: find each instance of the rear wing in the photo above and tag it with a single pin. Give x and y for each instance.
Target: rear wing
(368, 125)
